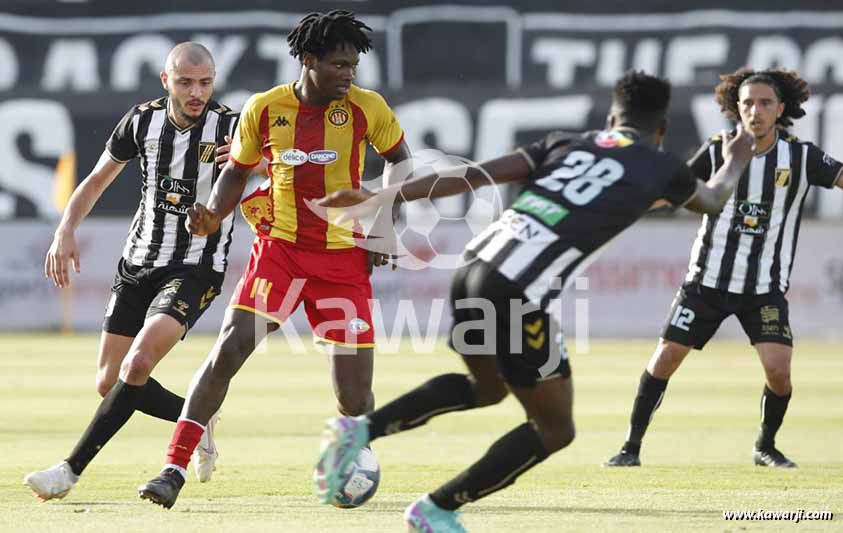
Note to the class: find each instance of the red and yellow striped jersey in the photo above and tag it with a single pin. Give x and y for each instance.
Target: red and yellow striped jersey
(312, 151)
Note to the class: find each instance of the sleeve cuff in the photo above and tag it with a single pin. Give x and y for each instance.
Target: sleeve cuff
(243, 165)
(394, 146)
(116, 159)
(529, 159)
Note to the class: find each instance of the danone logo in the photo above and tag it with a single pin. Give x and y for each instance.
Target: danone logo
(322, 157)
(294, 157)
(543, 209)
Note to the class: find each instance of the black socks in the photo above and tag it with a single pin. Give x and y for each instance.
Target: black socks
(442, 394)
(509, 457)
(773, 408)
(649, 397)
(159, 402)
(116, 408)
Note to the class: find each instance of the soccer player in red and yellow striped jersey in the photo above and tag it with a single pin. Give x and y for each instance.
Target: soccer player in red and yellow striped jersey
(314, 133)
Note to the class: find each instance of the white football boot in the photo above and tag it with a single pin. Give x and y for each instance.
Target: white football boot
(54, 482)
(206, 453)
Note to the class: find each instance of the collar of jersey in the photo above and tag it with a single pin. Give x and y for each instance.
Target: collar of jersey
(770, 149)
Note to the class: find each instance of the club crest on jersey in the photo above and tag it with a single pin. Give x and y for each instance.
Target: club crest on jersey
(294, 157)
(206, 152)
(612, 139)
(782, 177)
(338, 117)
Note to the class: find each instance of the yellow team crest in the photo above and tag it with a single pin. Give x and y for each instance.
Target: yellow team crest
(338, 116)
(782, 177)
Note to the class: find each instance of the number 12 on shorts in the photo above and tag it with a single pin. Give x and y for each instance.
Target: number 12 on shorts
(682, 317)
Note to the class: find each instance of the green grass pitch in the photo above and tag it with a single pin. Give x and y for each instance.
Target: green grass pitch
(696, 458)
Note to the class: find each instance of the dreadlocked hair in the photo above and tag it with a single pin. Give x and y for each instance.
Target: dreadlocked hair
(642, 99)
(320, 33)
(791, 90)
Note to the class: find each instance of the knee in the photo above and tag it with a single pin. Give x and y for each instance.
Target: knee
(666, 359)
(778, 379)
(137, 367)
(556, 433)
(488, 393)
(104, 382)
(354, 400)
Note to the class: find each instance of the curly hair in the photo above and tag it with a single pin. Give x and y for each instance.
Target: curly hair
(320, 33)
(791, 90)
(641, 98)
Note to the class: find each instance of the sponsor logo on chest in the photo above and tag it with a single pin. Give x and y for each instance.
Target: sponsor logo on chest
(295, 157)
(752, 218)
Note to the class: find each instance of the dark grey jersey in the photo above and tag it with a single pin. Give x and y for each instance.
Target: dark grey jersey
(584, 190)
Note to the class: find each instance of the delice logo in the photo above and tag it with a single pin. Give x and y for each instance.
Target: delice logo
(322, 157)
(294, 157)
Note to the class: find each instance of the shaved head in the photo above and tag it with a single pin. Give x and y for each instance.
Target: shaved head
(188, 54)
(188, 78)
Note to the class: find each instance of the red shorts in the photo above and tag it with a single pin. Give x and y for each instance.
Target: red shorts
(333, 284)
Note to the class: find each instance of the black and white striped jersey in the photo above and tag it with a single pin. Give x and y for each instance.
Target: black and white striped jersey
(177, 169)
(749, 247)
(584, 190)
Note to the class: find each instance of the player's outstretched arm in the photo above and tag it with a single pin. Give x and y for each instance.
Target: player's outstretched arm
(63, 249)
(711, 196)
(505, 169)
(225, 195)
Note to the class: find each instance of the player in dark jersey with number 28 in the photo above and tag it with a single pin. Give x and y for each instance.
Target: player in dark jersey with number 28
(579, 191)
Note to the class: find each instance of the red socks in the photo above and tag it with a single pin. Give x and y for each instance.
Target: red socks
(184, 441)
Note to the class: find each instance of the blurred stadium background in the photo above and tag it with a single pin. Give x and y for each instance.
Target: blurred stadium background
(469, 78)
(472, 79)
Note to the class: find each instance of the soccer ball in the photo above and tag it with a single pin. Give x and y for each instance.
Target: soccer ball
(434, 233)
(365, 476)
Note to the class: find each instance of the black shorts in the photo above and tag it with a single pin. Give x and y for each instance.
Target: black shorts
(697, 312)
(180, 291)
(527, 343)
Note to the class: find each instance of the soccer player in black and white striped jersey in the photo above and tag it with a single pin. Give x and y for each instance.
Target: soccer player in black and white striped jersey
(166, 277)
(742, 258)
(578, 192)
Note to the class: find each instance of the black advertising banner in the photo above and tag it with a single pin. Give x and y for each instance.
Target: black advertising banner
(471, 80)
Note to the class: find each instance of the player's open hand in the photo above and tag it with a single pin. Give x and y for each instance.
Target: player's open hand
(201, 221)
(738, 144)
(63, 251)
(223, 152)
